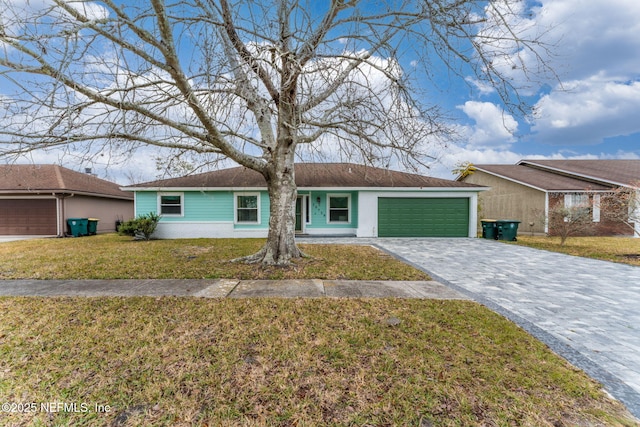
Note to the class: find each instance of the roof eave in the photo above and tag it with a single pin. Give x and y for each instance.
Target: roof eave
(58, 191)
(575, 174)
(526, 184)
(179, 189)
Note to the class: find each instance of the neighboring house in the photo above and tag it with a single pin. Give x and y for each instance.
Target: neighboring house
(38, 199)
(526, 191)
(333, 199)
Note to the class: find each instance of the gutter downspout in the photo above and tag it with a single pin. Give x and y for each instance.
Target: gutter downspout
(546, 212)
(60, 209)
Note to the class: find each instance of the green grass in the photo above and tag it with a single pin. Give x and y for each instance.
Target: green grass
(617, 249)
(306, 362)
(116, 257)
(255, 362)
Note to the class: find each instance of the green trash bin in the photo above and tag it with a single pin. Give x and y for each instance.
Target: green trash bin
(92, 226)
(489, 229)
(78, 226)
(507, 229)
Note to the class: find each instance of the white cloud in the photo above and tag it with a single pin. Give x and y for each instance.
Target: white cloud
(482, 87)
(588, 111)
(493, 127)
(592, 48)
(594, 36)
(582, 39)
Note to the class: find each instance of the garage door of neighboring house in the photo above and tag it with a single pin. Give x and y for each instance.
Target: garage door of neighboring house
(423, 217)
(28, 217)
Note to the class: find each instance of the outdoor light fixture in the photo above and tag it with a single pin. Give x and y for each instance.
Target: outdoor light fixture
(318, 199)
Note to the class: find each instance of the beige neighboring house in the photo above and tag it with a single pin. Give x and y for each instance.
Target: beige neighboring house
(526, 191)
(38, 199)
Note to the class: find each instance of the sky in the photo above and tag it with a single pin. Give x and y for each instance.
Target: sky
(591, 110)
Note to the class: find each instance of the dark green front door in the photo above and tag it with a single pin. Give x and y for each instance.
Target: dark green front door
(299, 215)
(423, 217)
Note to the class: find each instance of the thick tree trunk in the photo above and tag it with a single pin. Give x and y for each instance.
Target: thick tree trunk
(279, 173)
(280, 247)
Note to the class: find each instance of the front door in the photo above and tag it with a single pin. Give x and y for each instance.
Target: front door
(300, 214)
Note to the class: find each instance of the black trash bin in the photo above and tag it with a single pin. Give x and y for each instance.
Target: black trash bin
(507, 229)
(489, 229)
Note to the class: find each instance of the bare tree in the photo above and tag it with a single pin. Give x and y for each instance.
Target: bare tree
(255, 81)
(567, 220)
(622, 206)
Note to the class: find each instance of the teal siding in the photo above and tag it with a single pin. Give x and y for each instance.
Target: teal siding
(146, 202)
(218, 206)
(264, 212)
(197, 205)
(319, 210)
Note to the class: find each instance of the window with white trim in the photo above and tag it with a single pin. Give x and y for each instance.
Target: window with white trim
(339, 207)
(170, 204)
(247, 207)
(577, 204)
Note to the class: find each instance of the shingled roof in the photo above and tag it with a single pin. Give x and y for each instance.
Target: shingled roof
(41, 179)
(541, 179)
(569, 175)
(617, 172)
(309, 175)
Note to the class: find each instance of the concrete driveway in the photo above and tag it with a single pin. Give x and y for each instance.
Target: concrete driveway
(15, 238)
(587, 311)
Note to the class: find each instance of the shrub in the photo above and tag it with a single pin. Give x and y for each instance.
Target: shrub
(140, 228)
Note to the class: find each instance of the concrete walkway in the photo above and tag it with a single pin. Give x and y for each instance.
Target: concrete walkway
(225, 288)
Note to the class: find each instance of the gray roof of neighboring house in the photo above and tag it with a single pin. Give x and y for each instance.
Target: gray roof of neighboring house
(318, 175)
(47, 179)
(569, 175)
(616, 172)
(537, 178)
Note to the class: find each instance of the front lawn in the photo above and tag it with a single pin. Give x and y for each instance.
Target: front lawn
(110, 256)
(305, 362)
(617, 249)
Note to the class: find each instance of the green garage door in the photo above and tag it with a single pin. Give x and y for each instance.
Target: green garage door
(412, 217)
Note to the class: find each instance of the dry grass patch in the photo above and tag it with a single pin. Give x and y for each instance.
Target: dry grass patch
(187, 361)
(617, 249)
(115, 257)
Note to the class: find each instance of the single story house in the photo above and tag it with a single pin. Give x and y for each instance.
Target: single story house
(38, 199)
(333, 199)
(527, 190)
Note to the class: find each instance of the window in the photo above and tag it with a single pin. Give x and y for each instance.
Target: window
(577, 205)
(170, 204)
(596, 208)
(339, 208)
(247, 208)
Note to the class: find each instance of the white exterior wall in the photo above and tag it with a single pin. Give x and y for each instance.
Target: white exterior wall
(203, 229)
(212, 229)
(368, 208)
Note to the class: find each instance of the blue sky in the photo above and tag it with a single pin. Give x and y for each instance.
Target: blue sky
(592, 112)
(592, 109)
